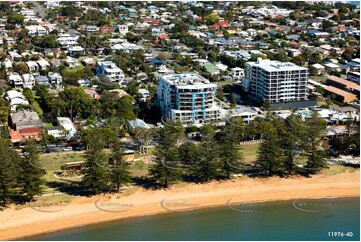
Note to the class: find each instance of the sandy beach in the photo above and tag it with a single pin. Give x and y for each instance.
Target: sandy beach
(81, 211)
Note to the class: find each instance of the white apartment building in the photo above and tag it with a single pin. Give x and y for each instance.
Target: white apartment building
(35, 30)
(276, 81)
(237, 73)
(111, 70)
(188, 98)
(67, 40)
(123, 29)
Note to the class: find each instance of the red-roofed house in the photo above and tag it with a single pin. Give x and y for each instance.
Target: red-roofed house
(92, 93)
(157, 22)
(106, 29)
(163, 36)
(224, 24)
(26, 133)
(148, 20)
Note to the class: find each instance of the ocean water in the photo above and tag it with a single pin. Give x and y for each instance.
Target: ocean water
(302, 219)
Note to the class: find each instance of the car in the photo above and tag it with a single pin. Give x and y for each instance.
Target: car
(67, 149)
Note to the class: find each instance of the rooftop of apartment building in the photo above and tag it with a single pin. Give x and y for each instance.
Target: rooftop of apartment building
(189, 80)
(270, 66)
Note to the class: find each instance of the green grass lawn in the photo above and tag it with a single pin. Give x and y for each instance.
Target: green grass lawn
(75, 69)
(249, 152)
(336, 169)
(139, 169)
(56, 160)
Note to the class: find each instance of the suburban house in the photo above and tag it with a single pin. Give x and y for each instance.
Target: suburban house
(23, 125)
(55, 78)
(28, 81)
(68, 126)
(15, 98)
(111, 70)
(237, 73)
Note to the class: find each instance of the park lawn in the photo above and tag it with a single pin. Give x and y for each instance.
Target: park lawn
(250, 152)
(55, 161)
(337, 168)
(139, 169)
(75, 69)
(52, 163)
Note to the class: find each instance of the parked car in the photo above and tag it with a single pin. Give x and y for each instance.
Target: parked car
(67, 149)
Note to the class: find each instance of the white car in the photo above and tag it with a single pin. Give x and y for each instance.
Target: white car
(67, 149)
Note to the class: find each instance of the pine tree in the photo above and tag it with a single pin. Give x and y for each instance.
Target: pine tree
(269, 154)
(313, 142)
(166, 168)
(230, 156)
(208, 165)
(291, 142)
(119, 170)
(96, 178)
(8, 170)
(31, 175)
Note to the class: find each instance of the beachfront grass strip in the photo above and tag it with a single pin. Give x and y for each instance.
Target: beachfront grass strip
(337, 168)
(250, 152)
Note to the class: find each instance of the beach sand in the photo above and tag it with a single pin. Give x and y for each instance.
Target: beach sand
(139, 202)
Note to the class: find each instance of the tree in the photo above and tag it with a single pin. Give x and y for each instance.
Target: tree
(16, 18)
(226, 35)
(206, 168)
(298, 60)
(143, 136)
(269, 154)
(31, 174)
(313, 71)
(312, 143)
(95, 171)
(119, 172)
(77, 102)
(8, 170)
(233, 99)
(327, 25)
(347, 54)
(21, 68)
(165, 170)
(291, 142)
(70, 11)
(220, 93)
(212, 19)
(230, 156)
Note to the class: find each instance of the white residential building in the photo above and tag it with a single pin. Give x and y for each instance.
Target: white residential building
(28, 81)
(15, 80)
(237, 73)
(188, 98)
(33, 66)
(276, 81)
(111, 70)
(44, 65)
(123, 29)
(68, 125)
(16, 98)
(91, 29)
(35, 30)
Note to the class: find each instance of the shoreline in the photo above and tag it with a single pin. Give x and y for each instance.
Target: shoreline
(27, 222)
(190, 210)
